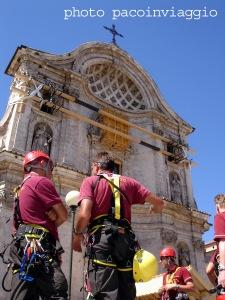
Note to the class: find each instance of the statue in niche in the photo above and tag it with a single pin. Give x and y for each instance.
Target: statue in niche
(42, 139)
(175, 187)
(183, 255)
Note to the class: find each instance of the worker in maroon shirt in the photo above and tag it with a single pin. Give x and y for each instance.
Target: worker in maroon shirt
(105, 212)
(212, 269)
(35, 251)
(219, 237)
(177, 281)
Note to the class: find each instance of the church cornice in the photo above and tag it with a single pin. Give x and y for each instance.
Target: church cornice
(177, 212)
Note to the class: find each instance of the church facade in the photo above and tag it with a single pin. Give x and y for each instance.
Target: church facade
(98, 98)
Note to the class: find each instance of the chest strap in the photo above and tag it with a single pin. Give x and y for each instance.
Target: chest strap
(170, 277)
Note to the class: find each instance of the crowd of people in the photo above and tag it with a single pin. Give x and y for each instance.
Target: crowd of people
(103, 227)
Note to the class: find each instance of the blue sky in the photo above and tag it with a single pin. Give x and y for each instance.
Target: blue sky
(184, 55)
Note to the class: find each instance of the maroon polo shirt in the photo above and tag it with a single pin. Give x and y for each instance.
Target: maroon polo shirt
(219, 226)
(179, 276)
(37, 196)
(101, 195)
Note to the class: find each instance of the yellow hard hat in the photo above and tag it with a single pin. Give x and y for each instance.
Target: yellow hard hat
(145, 266)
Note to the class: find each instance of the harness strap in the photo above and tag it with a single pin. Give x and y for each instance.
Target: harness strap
(17, 218)
(116, 191)
(108, 220)
(170, 277)
(104, 263)
(114, 183)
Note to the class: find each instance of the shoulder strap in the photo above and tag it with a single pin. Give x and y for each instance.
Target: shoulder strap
(115, 187)
(170, 277)
(114, 183)
(17, 218)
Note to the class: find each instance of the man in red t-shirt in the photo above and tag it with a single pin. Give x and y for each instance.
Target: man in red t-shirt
(212, 267)
(105, 210)
(35, 252)
(177, 281)
(219, 236)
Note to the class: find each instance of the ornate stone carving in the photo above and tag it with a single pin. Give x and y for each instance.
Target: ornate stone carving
(66, 86)
(183, 254)
(158, 130)
(198, 243)
(5, 195)
(42, 138)
(175, 187)
(75, 92)
(53, 84)
(168, 236)
(26, 68)
(21, 84)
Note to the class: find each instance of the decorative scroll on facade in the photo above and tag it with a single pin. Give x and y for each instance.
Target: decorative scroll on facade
(111, 139)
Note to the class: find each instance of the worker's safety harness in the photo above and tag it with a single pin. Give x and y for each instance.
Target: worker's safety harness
(170, 278)
(116, 230)
(32, 249)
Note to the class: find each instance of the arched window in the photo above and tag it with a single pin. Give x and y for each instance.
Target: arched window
(42, 138)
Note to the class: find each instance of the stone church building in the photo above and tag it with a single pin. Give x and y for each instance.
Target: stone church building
(98, 98)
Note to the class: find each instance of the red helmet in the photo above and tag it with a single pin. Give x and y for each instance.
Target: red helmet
(33, 155)
(168, 252)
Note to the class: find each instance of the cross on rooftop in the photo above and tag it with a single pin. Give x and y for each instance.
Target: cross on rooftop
(114, 33)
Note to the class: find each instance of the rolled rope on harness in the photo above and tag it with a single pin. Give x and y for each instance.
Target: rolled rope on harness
(35, 257)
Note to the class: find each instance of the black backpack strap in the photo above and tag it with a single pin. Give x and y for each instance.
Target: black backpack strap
(17, 218)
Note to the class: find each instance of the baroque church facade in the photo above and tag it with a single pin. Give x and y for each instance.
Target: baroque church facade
(98, 98)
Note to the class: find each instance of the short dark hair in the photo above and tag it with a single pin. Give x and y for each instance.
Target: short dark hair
(220, 199)
(104, 161)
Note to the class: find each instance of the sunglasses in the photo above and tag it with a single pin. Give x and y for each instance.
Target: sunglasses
(163, 258)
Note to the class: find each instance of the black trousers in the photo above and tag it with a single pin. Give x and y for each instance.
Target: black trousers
(47, 284)
(111, 283)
